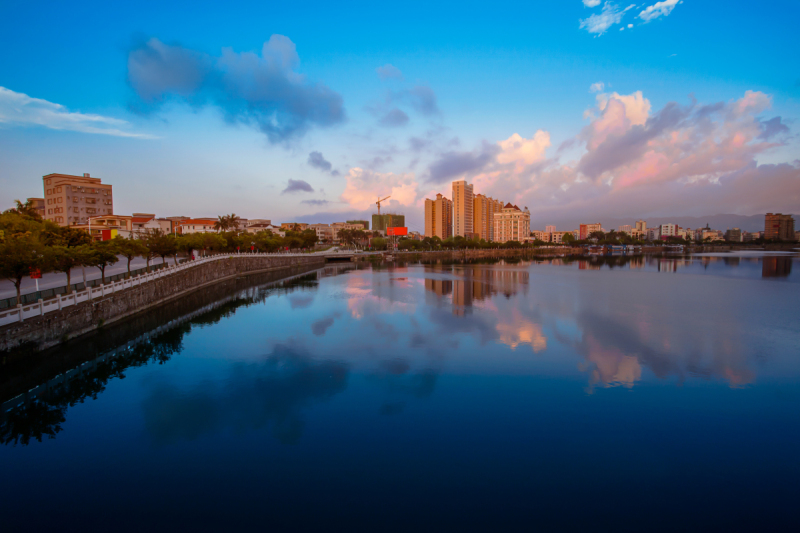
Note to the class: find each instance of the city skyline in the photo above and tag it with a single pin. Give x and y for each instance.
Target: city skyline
(649, 126)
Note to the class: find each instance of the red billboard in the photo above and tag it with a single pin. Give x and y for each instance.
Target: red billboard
(396, 232)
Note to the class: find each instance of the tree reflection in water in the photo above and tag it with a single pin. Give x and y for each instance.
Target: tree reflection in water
(43, 415)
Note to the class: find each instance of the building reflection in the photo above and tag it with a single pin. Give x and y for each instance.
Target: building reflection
(776, 267)
(477, 283)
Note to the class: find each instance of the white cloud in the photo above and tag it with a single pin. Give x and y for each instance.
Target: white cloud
(658, 9)
(610, 15)
(597, 87)
(18, 109)
(591, 3)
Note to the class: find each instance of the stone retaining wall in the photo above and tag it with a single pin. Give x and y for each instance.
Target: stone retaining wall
(55, 327)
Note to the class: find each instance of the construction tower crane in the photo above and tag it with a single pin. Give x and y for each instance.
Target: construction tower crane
(378, 203)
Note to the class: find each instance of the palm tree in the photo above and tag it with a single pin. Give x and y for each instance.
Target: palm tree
(221, 224)
(233, 221)
(26, 209)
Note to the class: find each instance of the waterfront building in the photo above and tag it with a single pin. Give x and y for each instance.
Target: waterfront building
(550, 229)
(483, 210)
(71, 200)
(188, 226)
(257, 228)
(654, 234)
(439, 217)
(540, 235)
(625, 229)
(512, 224)
(641, 226)
(557, 237)
(733, 235)
(778, 226)
(667, 230)
(262, 221)
(324, 232)
(290, 226)
(364, 222)
(588, 229)
(463, 203)
(387, 220)
(38, 204)
(103, 228)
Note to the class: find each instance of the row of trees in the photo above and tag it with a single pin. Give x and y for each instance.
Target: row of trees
(29, 244)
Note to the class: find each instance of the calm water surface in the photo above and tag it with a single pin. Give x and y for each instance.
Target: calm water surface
(652, 394)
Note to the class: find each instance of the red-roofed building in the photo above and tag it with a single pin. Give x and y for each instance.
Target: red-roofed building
(512, 224)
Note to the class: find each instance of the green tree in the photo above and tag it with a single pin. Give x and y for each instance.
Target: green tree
(129, 248)
(162, 245)
(65, 258)
(25, 210)
(103, 254)
(19, 254)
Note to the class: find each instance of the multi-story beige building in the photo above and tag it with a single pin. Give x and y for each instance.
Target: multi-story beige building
(291, 225)
(588, 229)
(641, 226)
(483, 210)
(71, 200)
(625, 229)
(512, 224)
(196, 225)
(463, 204)
(439, 217)
(778, 226)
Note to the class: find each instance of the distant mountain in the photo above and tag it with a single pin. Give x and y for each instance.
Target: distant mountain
(721, 222)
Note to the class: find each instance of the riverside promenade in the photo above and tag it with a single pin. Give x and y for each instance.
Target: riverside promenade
(49, 322)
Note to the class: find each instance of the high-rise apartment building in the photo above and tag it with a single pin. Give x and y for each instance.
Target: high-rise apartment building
(439, 217)
(463, 204)
(641, 226)
(625, 229)
(483, 210)
(778, 226)
(588, 229)
(512, 224)
(71, 200)
(549, 229)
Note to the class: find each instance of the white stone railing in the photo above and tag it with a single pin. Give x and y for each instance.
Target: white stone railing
(24, 312)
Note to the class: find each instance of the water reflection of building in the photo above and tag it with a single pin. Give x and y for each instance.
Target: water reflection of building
(440, 287)
(476, 283)
(776, 267)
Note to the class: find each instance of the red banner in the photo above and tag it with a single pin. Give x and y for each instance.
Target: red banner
(396, 232)
(36, 273)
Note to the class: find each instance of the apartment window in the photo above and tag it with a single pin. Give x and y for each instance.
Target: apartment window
(49, 191)
(58, 189)
(47, 182)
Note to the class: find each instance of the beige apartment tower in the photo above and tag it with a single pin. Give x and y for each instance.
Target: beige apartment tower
(438, 217)
(483, 210)
(71, 200)
(463, 200)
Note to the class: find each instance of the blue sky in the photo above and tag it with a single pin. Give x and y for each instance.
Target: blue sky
(466, 77)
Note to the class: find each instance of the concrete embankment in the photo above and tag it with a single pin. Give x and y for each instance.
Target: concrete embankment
(40, 332)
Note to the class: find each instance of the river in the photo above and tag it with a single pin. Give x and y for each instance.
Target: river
(624, 394)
